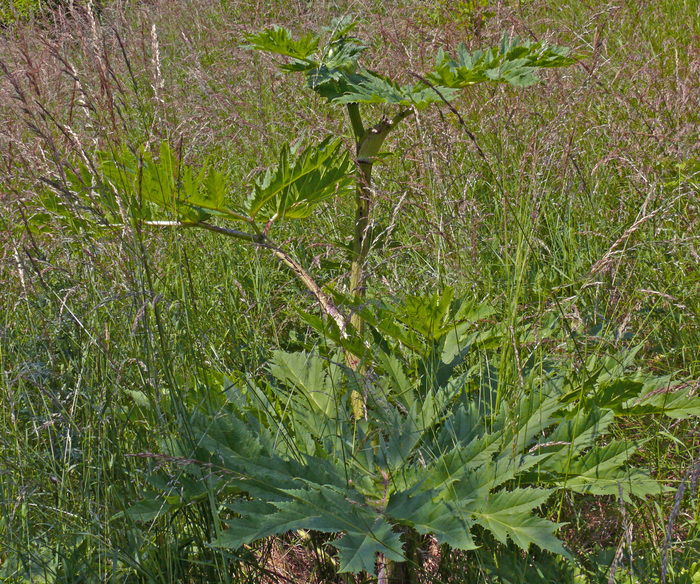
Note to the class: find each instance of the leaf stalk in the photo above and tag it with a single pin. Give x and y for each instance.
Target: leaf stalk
(327, 305)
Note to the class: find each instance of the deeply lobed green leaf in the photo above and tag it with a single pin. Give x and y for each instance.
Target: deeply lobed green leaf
(298, 183)
(512, 62)
(279, 40)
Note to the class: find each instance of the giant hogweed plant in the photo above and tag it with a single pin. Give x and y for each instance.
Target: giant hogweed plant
(430, 450)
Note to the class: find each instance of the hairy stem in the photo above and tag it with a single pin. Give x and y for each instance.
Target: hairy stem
(368, 146)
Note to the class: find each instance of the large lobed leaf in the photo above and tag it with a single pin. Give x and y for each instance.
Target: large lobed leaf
(337, 493)
(508, 515)
(168, 183)
(320, 508)
(286, 494)
(428, 514)
(289, 190)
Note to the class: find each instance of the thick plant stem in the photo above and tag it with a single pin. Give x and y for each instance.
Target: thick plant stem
(358, 130)
(362, 203)
(406, 572)
(360, 244)
(360, 249)
(368, 144)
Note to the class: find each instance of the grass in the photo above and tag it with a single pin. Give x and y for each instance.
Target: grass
(569, 204)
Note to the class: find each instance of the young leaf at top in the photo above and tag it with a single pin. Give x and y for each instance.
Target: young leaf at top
(337, 76)
(340, 27)
(512, 62)
(337, 73)
(279, 40)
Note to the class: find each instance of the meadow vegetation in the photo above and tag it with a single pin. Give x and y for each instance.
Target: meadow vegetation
(508, 393)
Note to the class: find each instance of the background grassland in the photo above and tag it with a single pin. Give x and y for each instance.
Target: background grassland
(576, 201)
